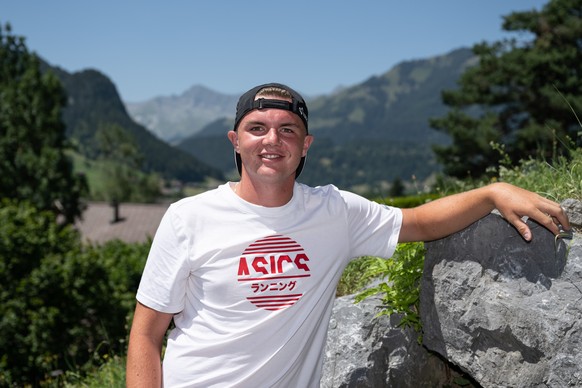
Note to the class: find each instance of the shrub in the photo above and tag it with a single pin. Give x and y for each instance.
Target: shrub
(400, 289)
(64, 305)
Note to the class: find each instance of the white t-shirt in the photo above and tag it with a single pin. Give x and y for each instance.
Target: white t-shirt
(252, 287)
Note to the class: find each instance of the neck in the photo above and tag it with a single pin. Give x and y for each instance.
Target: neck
(264, 195)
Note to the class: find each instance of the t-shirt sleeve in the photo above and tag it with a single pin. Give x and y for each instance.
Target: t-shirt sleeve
(165, 276)
(373, 228)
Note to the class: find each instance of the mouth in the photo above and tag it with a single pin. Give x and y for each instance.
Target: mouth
(270, 156)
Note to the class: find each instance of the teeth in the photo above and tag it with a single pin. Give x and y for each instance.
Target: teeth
(270, 156)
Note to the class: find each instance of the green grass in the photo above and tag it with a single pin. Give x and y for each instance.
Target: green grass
(94, 172)
(557, 181)
(111, 375)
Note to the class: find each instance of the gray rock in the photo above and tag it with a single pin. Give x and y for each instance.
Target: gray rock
(574, 210)
(506, 311)
(363, 350)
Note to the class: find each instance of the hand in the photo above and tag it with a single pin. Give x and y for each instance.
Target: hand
(515, 204)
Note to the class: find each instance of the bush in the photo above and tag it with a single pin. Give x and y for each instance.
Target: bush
(65, 305)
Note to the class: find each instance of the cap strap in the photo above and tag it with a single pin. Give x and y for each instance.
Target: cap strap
(294, 107)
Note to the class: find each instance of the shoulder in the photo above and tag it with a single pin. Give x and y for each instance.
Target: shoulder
(318, 191)
(332, 195)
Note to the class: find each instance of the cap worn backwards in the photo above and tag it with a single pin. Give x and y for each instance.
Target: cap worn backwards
(248, 102)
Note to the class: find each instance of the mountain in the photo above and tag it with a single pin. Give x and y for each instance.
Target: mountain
(366, 135)
(173, 118)
(212, 146)
(395, 105)
(93, 103)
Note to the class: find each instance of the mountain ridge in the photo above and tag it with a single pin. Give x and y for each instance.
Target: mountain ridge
(366, 135)
(175, 118)
(93, 103)
(172, 118)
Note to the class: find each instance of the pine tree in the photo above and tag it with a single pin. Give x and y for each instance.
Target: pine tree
(520, 94)
(33, 163)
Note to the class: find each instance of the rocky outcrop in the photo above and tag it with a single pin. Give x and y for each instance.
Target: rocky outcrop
(500, 311)
(367, 351)
(506, 311)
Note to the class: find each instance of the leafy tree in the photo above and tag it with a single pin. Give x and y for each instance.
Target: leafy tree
(122, 160)
(32, 135)
(520, 94)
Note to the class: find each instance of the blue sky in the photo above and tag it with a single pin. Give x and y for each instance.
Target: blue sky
(161, 48)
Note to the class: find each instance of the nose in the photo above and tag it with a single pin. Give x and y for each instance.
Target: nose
(272, 137)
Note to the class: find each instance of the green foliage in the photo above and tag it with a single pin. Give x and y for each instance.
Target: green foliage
(510, 97)
(32, 135)
(120, 160)
(408, 201)
(143, 188)
(62, 305)
(559, 180)
(111, 374)
(26, 236)
(401, 289)
(354, 278)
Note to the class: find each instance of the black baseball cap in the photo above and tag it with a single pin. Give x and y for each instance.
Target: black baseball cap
(247, 103)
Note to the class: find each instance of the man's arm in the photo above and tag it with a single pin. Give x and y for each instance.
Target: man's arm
(145, 346)
(450, 214)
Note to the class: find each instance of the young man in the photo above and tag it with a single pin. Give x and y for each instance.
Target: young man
(248, 271)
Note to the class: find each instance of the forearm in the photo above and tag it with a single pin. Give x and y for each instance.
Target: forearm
(143, 364)
(144, 367)
(447, 215)
(450, 214)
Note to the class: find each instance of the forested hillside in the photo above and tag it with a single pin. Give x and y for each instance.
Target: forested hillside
(94, 105)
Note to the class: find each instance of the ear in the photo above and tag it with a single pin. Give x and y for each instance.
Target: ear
(233, 137)
(307, 143)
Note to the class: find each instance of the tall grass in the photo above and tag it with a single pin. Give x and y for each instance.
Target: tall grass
(559, 180)
(111, 375)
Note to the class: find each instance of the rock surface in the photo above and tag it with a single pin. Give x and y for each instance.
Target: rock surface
(367, 351)
(507, 312)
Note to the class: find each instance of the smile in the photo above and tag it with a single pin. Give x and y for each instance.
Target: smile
(270, 156)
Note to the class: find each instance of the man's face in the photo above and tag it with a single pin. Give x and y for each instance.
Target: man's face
(271, 143)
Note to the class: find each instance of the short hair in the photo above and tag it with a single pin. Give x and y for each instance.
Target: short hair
(274, 91)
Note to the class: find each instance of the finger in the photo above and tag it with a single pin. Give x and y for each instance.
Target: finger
(564, 219)
(547, 221)
(558, 214)
(521, 226)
